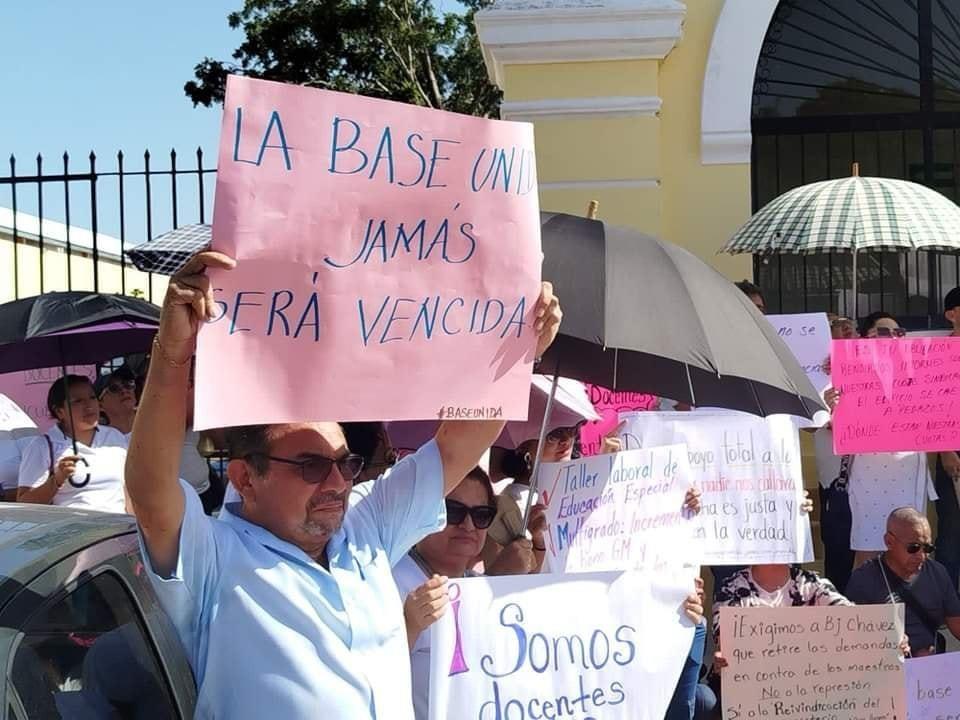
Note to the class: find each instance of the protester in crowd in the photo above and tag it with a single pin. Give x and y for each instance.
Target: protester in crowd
(754, 293)
(194, 468)
(289, 585)
(370, 441)
(423, 574)
(833, 474)
(947, 482)
(571, 408)
(51, 473)
(877, 483)
(906, 574)
(118, 401)
(14, 438)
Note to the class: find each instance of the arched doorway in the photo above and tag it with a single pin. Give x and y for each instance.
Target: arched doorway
(870, 81)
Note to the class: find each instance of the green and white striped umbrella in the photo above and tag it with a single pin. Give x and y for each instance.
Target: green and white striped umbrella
(851, 214)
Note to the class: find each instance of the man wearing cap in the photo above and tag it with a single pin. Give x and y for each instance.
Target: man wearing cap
(948, 476)
(286, 604)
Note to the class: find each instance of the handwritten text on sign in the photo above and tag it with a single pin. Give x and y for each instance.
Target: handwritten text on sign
(748, 469)
(897, 395)
(609, 404)
(808, 337)
(527, 647)
(376, 242)
(933, 687)
(797, 663)
(29, 388)
(618, 512)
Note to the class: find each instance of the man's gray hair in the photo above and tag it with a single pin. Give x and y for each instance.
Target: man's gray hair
(905, 516)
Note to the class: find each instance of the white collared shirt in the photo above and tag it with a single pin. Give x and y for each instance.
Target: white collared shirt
(105, 456)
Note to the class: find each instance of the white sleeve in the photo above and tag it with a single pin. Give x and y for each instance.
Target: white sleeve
(35, 463)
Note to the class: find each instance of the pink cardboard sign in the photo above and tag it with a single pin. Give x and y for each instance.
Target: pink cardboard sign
(388, 262)
(29, 388)
(897, 395)
(609, 404)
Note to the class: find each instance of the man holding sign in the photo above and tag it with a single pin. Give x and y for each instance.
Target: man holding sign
(288, 588)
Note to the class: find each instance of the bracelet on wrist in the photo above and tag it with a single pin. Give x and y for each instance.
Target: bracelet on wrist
(166, 358)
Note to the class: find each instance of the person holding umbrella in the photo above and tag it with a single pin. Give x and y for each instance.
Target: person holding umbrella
(78, 462)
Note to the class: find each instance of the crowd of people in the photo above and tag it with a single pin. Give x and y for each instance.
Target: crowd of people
(331, 545)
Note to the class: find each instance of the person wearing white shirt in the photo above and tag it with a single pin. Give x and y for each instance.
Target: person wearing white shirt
(78, 462)
(16, 432)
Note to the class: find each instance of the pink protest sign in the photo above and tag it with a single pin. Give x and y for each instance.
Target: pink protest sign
(609, 404)
(388, 262)
(897, 395)
(29, 388)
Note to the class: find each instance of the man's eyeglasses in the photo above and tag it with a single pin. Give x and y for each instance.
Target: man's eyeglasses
(481, 515)
(891, 332)
(561, 434)
(316, 469)
(914, 547)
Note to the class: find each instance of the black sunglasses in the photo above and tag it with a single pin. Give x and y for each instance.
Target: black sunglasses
(891, 332)
(914, 547)
(481, 515)
(316, 469)
(561, 434)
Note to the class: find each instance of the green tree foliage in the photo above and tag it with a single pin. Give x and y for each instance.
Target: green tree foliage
(393, 49)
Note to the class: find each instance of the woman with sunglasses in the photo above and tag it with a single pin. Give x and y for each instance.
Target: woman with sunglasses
(118, 400)
(878, 483)
(78, 462)
(451, 553)
(422, 575)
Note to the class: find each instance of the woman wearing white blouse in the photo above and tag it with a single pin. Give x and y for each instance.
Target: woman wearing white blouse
(77, 463)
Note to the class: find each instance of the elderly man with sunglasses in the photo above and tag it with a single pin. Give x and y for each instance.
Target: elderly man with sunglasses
(286, 605)
(906, 573)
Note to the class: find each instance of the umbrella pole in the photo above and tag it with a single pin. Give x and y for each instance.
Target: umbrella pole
(856, 309)
(535, 473)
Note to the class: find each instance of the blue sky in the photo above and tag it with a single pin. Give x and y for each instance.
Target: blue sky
(108, 75)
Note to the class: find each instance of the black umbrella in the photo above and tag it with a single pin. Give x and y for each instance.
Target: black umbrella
(73, 328)
(644, 315)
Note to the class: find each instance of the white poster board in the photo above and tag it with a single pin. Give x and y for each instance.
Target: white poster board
(808, 337)
(797, 663)
(748, 470)
(933, 687)
(600, 645)
(619, 511)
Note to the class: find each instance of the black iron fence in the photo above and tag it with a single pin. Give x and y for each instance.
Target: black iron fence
(66, 227)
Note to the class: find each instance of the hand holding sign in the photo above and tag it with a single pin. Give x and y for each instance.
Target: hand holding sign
(188, 304)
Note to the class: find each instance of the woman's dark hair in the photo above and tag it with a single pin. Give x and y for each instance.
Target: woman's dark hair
(363, 438)
(515, 464)
(872, 319)
(479, 475)
(57, 394)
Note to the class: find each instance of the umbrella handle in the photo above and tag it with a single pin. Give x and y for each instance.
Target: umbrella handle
(86, 480)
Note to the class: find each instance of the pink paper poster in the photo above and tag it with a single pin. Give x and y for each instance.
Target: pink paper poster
(609, 404)
(897, 395)
(388, 262)
(28, 389)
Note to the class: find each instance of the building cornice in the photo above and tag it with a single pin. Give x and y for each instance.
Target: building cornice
(556, 31)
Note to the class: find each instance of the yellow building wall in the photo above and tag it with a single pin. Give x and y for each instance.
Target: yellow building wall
(24, 280)
(644, 171)
(703, 205)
